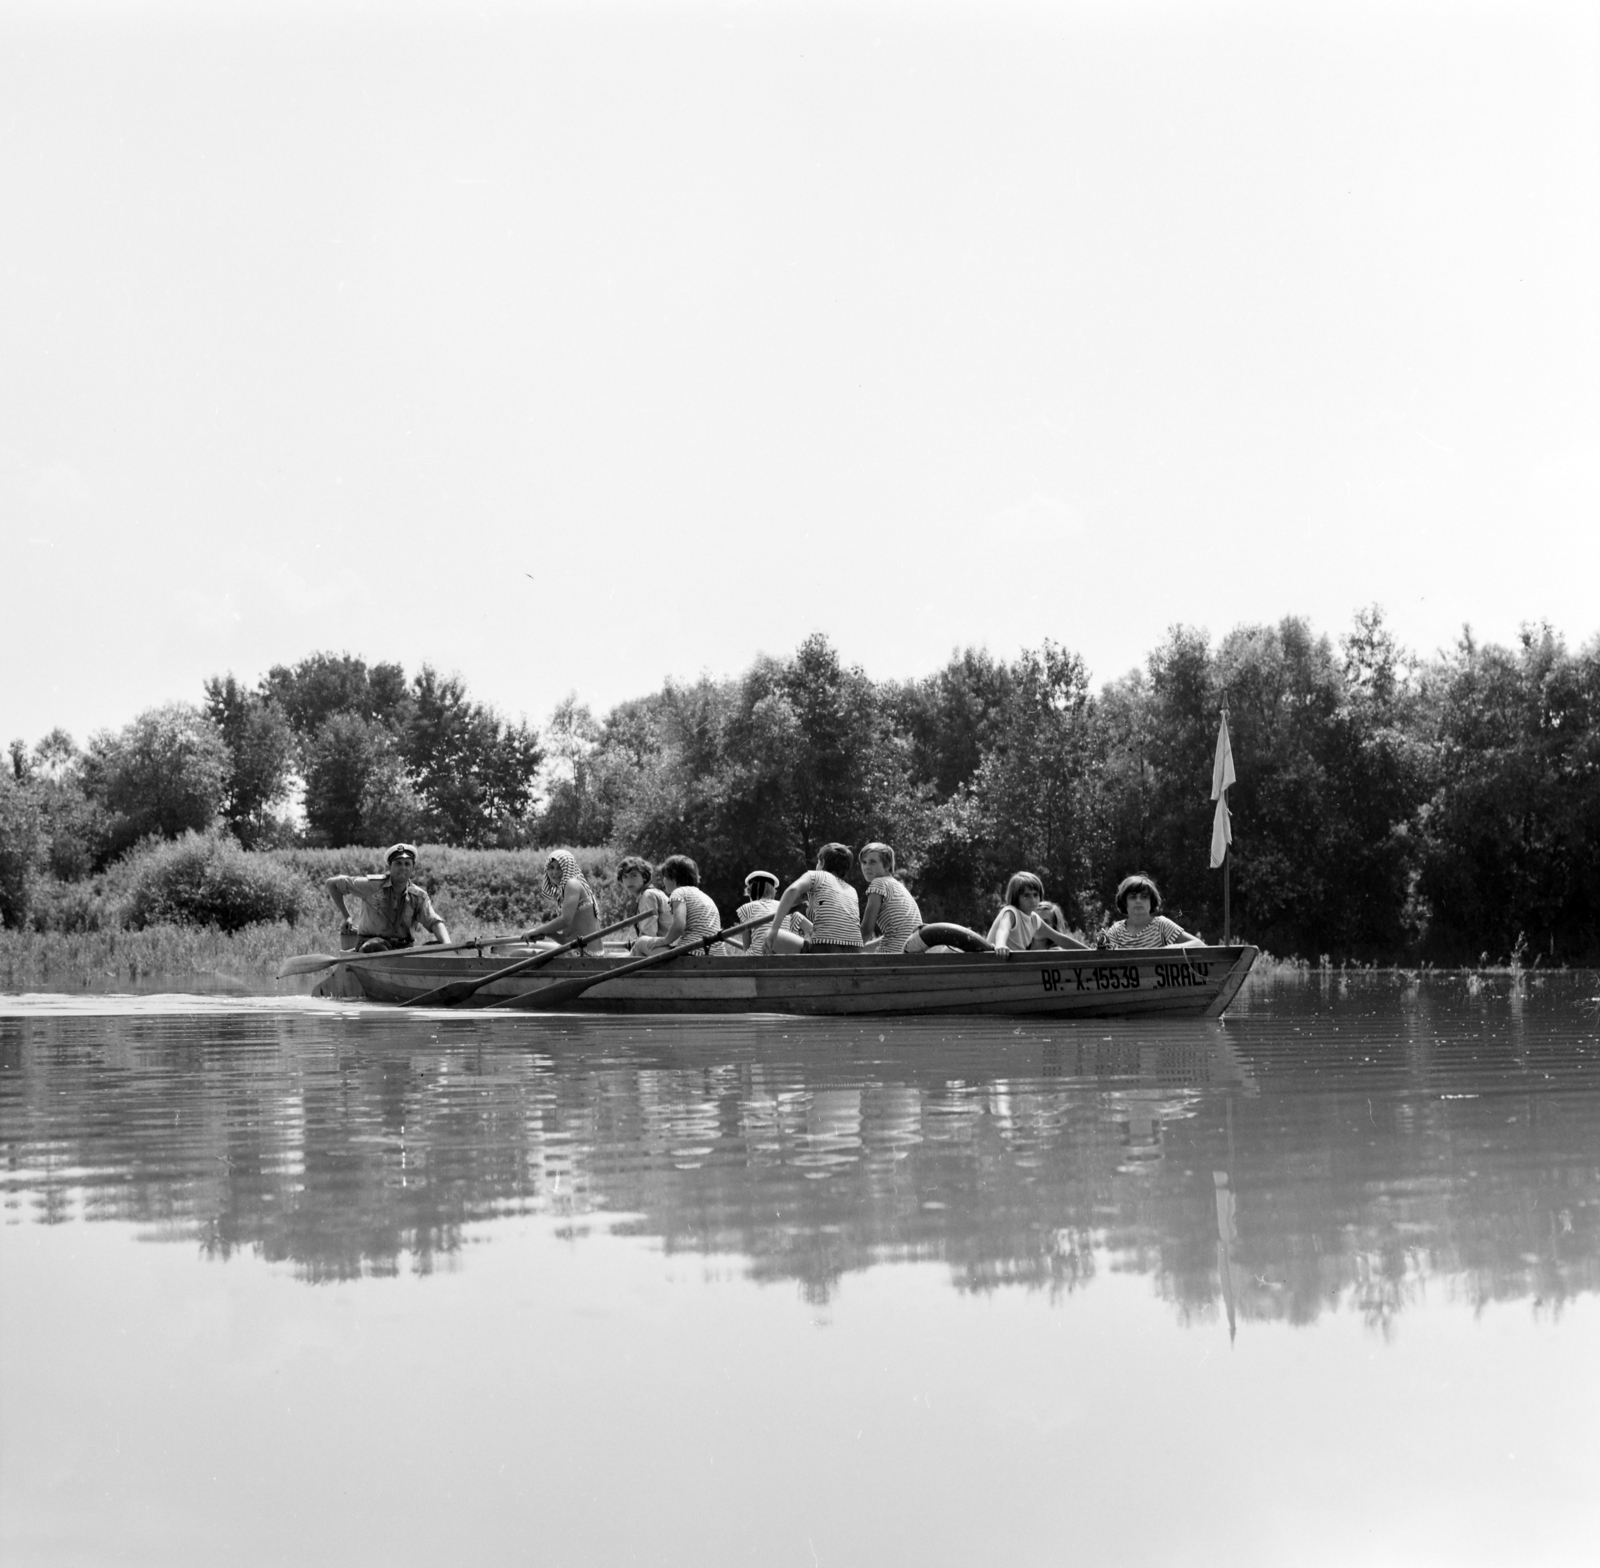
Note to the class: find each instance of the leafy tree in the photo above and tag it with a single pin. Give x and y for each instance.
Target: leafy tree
(166, 774)
(474, 773)
(950, 718)
(260, 745)
(1037, 784)
(312, 691)
(1511, 832)
(22, 846)
(350, 764)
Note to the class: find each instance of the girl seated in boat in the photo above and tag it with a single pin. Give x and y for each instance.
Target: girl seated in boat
(835, 907)
(691, 912)
(577, 908)
(891, 917)
(650, 903)
(1142, 923)
(1021, 926)
(761, 898)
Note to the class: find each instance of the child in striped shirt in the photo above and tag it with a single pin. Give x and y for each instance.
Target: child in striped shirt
(891, 915)
(1143, 924)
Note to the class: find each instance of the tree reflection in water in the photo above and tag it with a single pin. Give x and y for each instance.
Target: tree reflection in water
(1315, 1151)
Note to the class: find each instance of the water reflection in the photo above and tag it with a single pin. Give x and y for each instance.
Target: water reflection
(1319, 1150)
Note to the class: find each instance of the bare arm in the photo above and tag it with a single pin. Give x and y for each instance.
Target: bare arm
(1049, 934)
(869, 916)
(334, 891)
(787, 905)
(560, 925)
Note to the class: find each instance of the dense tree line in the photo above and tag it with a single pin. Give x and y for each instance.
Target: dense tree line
(1386, 806)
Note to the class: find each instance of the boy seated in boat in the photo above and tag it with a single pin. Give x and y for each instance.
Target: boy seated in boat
(1142, 923)
(891, 917)
(577, 908)
(389, 907)
(835, 907)
(691, 912)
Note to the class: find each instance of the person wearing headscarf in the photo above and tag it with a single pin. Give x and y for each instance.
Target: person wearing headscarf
(389, 907)
(577, 908)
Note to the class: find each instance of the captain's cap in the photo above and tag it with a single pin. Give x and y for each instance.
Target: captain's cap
(399, 849)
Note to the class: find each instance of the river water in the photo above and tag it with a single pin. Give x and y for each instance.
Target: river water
(290, 1282)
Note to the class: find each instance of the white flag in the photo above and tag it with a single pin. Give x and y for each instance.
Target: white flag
(1221, 833)
(1222, 774)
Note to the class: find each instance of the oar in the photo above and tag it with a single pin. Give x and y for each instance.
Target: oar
(309, 963)
(566, 990)
(453, 991)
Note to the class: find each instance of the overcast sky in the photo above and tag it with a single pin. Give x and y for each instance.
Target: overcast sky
(570, 347)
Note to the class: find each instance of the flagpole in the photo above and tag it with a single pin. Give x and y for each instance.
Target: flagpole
(1227, 912)
(1227, 854)
(1222, 776)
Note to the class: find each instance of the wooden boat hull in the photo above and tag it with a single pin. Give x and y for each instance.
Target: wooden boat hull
(1167, 982)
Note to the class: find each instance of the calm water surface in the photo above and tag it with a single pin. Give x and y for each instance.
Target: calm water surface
(284, 1282)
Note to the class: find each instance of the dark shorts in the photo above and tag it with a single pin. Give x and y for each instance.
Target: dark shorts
(812, 945)
(381, 944)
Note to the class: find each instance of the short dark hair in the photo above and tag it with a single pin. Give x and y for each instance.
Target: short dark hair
(882, 851)
(837, 858)
(1138, 883)
(1020, 882)
(682, 870)
(635, 863)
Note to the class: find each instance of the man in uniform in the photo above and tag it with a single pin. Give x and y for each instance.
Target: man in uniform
(388, 907)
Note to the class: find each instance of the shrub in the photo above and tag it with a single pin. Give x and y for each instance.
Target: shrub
(206, 880)
(87, 905)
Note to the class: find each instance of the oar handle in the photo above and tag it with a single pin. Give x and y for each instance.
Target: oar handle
(309, 963)
(456, 994)
(565, 990)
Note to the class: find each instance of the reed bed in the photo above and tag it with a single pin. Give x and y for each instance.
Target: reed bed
(111, 959)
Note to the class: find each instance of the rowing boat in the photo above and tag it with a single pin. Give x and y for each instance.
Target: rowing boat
(1180, 982)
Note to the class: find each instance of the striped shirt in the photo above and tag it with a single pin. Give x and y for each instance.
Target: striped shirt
(700, 917)
(835, 909)
(761, 937)
(898, 915)
(1161, 932)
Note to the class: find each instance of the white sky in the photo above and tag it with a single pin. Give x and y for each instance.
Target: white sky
(569, 347)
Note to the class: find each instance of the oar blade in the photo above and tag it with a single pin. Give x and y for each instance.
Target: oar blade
(307, 964)
(446, 995)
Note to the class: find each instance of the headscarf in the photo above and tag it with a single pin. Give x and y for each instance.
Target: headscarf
(560, 869)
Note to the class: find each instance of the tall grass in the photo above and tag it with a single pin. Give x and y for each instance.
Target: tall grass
(112, 959)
